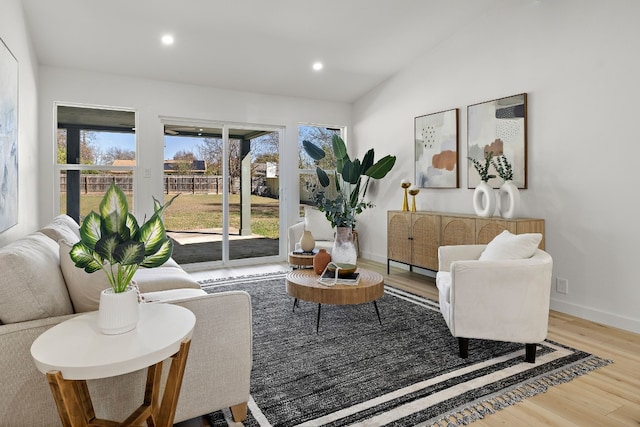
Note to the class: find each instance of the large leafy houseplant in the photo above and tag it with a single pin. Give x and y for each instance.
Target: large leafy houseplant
(112, 240)
(342, 196)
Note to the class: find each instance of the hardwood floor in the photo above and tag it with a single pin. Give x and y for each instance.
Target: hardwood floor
(609, 396)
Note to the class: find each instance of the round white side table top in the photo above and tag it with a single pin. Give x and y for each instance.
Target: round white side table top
(78, 349)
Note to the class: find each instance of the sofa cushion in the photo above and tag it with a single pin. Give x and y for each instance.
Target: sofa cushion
(62, 227)
(511, 246)
(317, 224)
(84, 288)
(31, 284)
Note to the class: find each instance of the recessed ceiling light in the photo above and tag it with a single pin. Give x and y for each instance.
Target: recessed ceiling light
(167, 39)
(317, 66)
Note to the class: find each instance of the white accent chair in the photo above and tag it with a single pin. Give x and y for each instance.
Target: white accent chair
(494, 299)
(320, 228)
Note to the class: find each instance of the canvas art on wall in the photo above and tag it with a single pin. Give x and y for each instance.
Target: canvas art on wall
(8, 138)
(500, 127)
(436, 150)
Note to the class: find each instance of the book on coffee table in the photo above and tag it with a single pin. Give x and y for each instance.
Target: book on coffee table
(330, 278)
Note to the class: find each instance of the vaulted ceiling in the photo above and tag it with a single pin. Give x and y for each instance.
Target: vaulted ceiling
(263, 46)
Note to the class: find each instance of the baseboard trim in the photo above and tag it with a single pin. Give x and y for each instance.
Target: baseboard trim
(593, 315)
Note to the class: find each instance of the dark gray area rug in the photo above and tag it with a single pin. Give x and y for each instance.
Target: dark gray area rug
(404, 373)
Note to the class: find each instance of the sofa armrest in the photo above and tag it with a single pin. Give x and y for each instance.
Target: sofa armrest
(295, 233)
(449, 254)
(218, 370)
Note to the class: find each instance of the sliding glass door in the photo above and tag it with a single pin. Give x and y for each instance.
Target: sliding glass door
(228, 178)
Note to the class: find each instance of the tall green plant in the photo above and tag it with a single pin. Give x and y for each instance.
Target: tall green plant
(113, 242)
(350, 181)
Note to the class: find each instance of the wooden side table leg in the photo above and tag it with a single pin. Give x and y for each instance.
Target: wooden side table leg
(239, 412)
(172, 388)
(72, 400)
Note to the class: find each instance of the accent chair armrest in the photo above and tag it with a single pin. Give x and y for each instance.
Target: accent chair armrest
(449, 254)
(295, 233)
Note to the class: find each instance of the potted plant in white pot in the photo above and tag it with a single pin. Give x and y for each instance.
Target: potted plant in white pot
(342, 196)
(484, 199)
(508, 195)
(112, 241)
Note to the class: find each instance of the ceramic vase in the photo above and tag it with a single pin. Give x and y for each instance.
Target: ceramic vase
(307, 242)
(344, 251)
(320, 261)
(484, 200)
(508, 200)
(118, 312)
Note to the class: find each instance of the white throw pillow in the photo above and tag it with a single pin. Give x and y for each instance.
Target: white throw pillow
(511, 246)
(317, 224)
(84, 288)
(31, 284)
(62, 227)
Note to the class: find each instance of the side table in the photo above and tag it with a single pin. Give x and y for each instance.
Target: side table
(75, 351)
(301, 259)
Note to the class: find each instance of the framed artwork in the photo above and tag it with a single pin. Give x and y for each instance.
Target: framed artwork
(436, 150)
(499, 127)
(8, 138)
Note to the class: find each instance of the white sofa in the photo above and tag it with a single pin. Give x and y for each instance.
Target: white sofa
(321, 230)
(496, 291)
(34, 296)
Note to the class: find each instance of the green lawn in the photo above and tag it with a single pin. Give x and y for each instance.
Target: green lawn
(197, 211)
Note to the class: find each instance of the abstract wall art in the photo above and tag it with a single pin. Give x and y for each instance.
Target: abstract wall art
(8, 138)
(436, 150)
(499, 127)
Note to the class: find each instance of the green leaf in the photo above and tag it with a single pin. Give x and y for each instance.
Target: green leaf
(91, 230)
(106, 247)
(129, 253)
(351, 171)
(315, 152)
(152, 234)
(83, 257)
(132, 226)
(114, 210)
(367, 161)
(160, 257)
(323, 178)
(381, 168)
(340, 151)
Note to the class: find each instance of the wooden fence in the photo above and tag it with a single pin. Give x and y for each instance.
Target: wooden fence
(194, 184)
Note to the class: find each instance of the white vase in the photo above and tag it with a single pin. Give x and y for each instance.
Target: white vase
(344, 251)
(508, 200)
(118, 313)
(307, 242)
(484, 200)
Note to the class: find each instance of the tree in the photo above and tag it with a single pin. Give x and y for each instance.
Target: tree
(88, 151)
(116, 153)
(184, 155)
(210, 150)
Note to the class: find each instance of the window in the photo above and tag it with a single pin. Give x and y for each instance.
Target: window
(94, 147)
(322, 137)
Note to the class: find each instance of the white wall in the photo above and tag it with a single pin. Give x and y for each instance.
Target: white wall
(14, 34)
(153, 99)
(577, 61)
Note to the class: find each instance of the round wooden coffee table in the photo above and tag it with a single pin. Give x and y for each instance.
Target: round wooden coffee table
(303, 285)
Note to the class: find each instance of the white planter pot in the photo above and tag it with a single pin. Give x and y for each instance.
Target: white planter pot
(508, 200)
(484, 200)
(118, 313)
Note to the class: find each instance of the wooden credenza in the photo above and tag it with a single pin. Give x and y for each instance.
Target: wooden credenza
(413, 238)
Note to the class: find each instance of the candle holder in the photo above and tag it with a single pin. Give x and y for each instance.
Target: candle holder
(413, 190)
(405, 184)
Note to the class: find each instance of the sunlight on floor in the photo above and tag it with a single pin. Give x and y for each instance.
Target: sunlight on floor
(237, 271)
